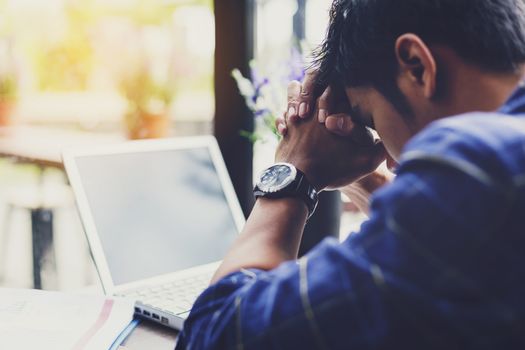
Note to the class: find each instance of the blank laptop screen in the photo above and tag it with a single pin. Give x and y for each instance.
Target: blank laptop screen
(157, 212)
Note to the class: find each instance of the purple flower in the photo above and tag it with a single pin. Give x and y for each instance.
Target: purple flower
(261, 113)
(262, 100)
(257, 78)
(258, 88)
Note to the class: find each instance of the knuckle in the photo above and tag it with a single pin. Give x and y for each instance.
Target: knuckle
(294, 87)
(293, 119)
(292, 103)
(308, 82)
(305, 93)
(310, 73)
(324, 98)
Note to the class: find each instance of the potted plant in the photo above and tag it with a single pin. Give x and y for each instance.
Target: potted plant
(8, 84)
(149, 101)
(8, 97)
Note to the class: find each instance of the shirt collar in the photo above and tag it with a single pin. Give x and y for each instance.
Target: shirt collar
(516, 103)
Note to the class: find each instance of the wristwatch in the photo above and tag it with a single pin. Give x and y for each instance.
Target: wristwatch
(283, 180)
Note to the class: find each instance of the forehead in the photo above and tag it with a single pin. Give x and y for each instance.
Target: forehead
(361, 96)
(369, 105)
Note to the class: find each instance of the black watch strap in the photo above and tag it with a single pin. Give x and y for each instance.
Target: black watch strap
(300, 188)
(307, 193)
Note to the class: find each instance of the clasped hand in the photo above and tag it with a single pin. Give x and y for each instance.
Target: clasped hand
(330, 159)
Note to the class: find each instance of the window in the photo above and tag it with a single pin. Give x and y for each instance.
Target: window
(282, 27)
(275, 26)
(77, 60)
(285, 29)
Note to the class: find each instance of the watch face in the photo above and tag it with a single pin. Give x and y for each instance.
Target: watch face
(277, 177)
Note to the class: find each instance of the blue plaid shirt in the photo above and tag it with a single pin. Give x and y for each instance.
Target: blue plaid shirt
(439, 265)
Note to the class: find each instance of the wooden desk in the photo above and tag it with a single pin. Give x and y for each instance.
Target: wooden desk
(43, 146)
(147, 335)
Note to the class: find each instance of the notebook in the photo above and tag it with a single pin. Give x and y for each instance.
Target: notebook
(36, 319)
(159, 215)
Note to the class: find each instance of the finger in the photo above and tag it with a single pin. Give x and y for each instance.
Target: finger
(307, 89)
(294, 96)
(282, 130)
(378, 156)
(340, 124)
(280, 125)
(391, 163)
(323, 105)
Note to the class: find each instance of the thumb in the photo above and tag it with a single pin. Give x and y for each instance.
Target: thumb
(378, 155)
(391, 163)
(339, 124)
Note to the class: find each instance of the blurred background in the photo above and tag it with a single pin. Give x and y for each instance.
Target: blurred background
(80, 72)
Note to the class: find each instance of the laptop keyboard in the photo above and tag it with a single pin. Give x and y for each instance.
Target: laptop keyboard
(175, 297)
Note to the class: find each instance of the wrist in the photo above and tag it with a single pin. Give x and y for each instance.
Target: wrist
(309, 172)
(360, 191)
(291, 206)
(284, 180)
(373, 181)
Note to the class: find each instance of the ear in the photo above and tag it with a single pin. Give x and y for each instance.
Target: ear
(417, 63)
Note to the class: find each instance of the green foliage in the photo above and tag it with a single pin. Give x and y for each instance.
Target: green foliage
(251, 136)
(140, 89)
(65, 65)
(258, 99)
(145, 95)
(8, 88)
(149, 12)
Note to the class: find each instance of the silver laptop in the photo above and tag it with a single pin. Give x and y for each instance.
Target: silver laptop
(158, 216)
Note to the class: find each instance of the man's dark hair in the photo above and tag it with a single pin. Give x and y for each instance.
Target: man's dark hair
(359, 47)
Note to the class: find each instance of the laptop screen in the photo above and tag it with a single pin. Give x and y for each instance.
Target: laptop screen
(157, 212)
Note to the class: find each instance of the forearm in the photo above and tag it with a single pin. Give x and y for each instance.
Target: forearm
(359, 197)
(361, 191)
(270, 237)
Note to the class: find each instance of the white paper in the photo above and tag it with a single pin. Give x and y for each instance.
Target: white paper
(31, 319)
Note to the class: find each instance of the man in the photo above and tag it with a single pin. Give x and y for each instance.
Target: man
(440, 264)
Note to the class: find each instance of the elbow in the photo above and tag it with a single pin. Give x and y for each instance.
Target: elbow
(209, 328)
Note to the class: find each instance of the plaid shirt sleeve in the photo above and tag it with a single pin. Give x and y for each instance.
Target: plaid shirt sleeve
(428, 246)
